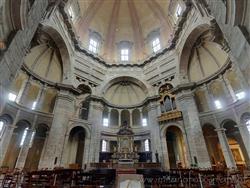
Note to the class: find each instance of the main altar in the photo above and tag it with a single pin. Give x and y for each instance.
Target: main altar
(126, 152)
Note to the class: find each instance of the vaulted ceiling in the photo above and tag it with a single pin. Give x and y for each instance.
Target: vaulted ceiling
(123, 20)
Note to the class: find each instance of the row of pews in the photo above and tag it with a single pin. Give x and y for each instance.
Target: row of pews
(156, 178)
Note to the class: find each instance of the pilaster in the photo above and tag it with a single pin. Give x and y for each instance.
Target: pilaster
(63, 111)
(195, 139)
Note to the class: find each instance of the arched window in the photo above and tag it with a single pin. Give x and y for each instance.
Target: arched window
(146, 145)
(104, 145)
(156, 45)
(24, 136)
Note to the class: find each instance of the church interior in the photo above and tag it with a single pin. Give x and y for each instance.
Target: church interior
(125, 93)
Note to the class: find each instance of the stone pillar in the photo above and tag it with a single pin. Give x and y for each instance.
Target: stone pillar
(243, 83)
(5, 140)
(209, 97)
(141, 116)
(63, 111)
(225, 148)
(87, 147)
(65, 155)
(229, 87)
(154, 127)
(109, 117)
(131, 118)
(119, 118)
(25, 147)
(228, 95)
(244, 133)
(23, 91)
(95, 118)
(195, 139)
(164, 145)
(40, 97)
(24, 150)
(108, 145)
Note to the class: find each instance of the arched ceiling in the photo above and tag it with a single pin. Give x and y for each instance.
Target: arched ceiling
(123, 20)
(207, 57)
(125, 93)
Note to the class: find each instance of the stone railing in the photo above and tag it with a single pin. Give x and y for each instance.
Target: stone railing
(170, 116)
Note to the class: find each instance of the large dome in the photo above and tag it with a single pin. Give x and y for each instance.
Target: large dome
(115, 23)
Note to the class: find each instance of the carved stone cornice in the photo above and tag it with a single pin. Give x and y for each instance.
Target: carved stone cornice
(105, 102)
(59, 86)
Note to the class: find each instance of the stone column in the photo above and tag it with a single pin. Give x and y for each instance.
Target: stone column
(154, 127)
(209, 97)
(165, 161)
(229, 87)
(244, 133)
(87, 147)
(40, 97)
(108, 145)
(5, 140)
(63, 111)
(141, 116)
(225, 89)
(95, 118)
(131, 118)
(65, 155)
(109, 117)
(230, 162)
(195, 139)
(23, 91)
(25, 147)
(119, 118)
(243, 83)
(24, 150)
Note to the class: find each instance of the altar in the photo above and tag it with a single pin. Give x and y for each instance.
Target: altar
(126, 153)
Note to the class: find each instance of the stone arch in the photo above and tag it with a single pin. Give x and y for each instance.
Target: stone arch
(235, 141)
(63, 48)
(244, 117)
(7, 119)
(14, 146)
(164, 128)
(213, 145)
(186, 52)
(176, 146)
(76, 146)
(136, 117)
(125, 116)
(38, 138)
(14, 17)
(114, 80)
(114, 117)
(236, 12)
(83, 125)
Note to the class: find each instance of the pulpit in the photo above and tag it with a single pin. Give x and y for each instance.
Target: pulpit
(125, 153)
